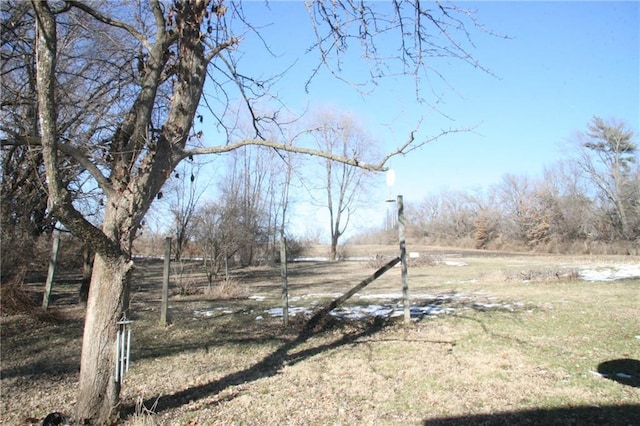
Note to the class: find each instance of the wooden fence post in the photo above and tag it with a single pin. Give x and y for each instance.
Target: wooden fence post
(285, 284)
(52, 270)
(165, 283)
(403, 259)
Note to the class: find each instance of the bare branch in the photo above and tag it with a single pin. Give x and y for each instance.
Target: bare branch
(110, 21)
(411, 145)
(220, 149)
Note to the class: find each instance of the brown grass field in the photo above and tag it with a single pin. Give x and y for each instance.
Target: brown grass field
(510, 339)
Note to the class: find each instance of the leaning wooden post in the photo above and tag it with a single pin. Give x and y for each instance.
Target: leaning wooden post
(51, 273)
(403, 260)
(165, 283)
(285, 285)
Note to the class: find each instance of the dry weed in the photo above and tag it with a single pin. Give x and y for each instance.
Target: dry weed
(227, 289)
(143, 416)
(17, 299)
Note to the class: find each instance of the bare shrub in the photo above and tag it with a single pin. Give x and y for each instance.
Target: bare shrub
(378, 261)
(295, 248)
(188, 287)
(20, 250)
(16, 299)
(143, 416)
(182, 276)
(227, 289)
(424, 259)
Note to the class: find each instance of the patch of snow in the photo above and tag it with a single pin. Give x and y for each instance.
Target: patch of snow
(610, 273)
(412, 296)
(199, 313)
(259, 318)
(322, 295)
(293, 311)
(311, 259)
(258, 298)
(454, 263)
(430, 310)
(360, 312)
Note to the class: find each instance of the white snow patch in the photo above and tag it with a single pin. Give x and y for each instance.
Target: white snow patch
(203, 313)
(209, 313)
(430, 310)
(454, 263)
(360, 312)
(322, 295)
(610, 273)
(257, 298)
(293, 311)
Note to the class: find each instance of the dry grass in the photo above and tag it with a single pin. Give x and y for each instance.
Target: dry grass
(530, 365)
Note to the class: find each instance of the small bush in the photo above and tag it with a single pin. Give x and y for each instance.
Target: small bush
(16, 299)
(227, 289)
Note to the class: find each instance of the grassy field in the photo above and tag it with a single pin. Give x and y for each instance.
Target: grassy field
(511, 339)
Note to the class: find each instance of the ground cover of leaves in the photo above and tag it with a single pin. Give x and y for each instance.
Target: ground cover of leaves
(536, 362)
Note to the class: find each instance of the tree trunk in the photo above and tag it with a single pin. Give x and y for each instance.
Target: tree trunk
(98, 396)
(333, 255)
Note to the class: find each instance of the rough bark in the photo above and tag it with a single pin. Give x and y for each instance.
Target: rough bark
(108, 298)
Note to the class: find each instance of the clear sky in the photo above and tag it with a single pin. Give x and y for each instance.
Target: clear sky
(563, 63)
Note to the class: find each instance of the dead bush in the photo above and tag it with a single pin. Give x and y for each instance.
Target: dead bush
(16, 299)
(188, 287)
(227, 289)
(378, 261)
(424, 259)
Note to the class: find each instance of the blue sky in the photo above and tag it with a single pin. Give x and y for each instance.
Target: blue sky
(563, 63)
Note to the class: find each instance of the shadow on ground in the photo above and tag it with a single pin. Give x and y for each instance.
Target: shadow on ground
(625, 371)
(602, 415)
(269, 366)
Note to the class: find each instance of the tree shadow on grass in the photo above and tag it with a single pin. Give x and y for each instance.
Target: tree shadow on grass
(625, 371)
(269, 366)
(592, 415)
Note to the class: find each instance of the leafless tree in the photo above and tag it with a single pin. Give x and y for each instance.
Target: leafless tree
(344, 186)
(182, 194)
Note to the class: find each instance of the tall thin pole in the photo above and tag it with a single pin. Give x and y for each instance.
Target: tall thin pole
(165, 283)
(285, 285)
(52, 270)
(403, 260)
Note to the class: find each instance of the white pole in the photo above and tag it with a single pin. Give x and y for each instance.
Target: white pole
(128, 345)
(118, 355)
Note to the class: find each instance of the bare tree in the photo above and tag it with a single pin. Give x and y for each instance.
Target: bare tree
(607, 155)
(166, 51)
(344, 186)
(216, 232)
(183, 196)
